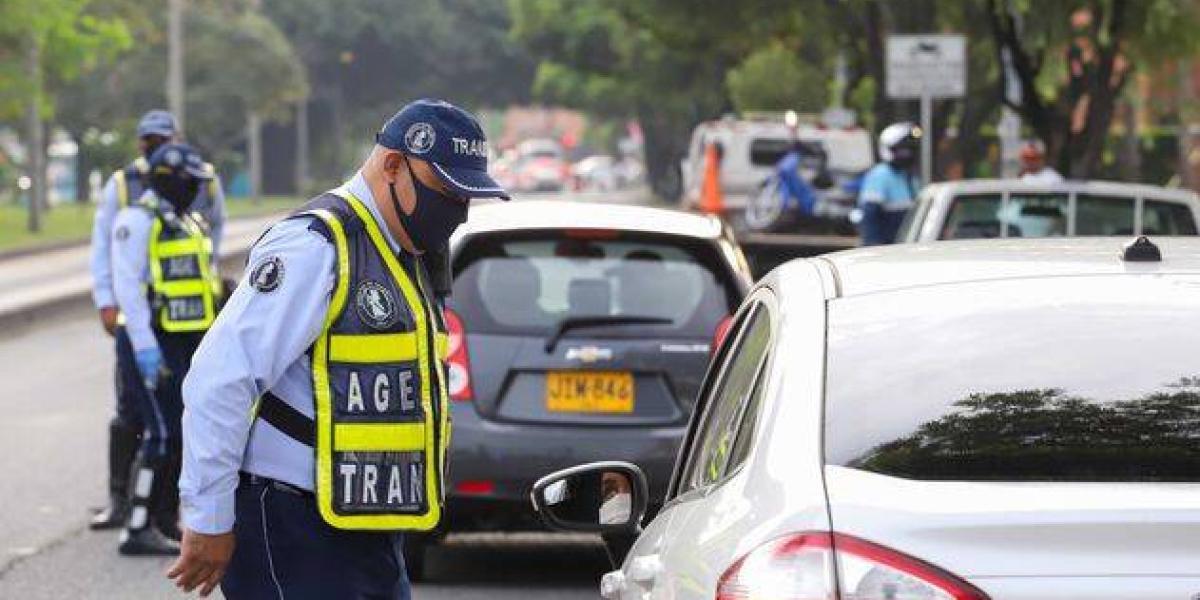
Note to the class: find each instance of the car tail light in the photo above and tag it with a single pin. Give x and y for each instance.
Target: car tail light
(803, 566)
(481, 487)
(458, 367)
(720, 332)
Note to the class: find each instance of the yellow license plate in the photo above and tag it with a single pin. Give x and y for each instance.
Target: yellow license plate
(589, 391)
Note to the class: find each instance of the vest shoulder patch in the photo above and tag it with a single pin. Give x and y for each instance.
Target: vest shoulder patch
(267, 274)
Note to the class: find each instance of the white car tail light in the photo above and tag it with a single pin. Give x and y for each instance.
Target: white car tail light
(458, 367)
(803, 566)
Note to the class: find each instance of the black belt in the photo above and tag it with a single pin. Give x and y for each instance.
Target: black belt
(252, 479)
(287, 420)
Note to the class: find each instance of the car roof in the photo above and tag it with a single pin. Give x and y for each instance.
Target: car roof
(555, 214)
(887, 268)
(983, 186)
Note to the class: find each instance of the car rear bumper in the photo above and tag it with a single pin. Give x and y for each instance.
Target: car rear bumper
(493, 465)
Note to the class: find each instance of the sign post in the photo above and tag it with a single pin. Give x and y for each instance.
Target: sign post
(925, 67)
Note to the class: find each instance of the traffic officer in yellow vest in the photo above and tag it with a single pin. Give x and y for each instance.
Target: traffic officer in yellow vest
(155, 128)
(316, 428)
(168, 290)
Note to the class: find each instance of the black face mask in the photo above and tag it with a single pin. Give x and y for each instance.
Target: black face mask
(904, 156)
(179, 192)
(434, 218)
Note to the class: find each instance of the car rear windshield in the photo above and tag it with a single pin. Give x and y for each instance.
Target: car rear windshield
(1071, 379)
(527, 283)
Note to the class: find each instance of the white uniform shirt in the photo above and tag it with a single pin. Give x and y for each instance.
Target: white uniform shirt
(258, 343)
(210, 206)
(1047, 176)
(131, 273)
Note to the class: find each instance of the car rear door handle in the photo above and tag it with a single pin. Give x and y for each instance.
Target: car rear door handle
(645, 569)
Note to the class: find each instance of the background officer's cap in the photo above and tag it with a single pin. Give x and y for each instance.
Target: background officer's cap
(178, 160)
(157, 122)
(450, 139)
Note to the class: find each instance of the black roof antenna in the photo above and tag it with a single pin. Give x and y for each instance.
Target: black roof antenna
(1141, 250)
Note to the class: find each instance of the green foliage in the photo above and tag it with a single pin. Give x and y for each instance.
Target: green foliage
(74, 36)
(775, 78)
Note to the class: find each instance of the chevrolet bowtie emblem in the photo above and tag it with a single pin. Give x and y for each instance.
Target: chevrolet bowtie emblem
(589, 354)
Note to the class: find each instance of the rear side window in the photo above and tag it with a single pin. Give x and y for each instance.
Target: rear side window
(1037, 215)
(1167, 218)
(1103, 215)
(972, 217)
(1073, 379)
(528, 283)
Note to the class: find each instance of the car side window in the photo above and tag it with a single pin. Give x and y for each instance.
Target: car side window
(713, 449)
(974, 216)
(1167, 218)
(1103, 215)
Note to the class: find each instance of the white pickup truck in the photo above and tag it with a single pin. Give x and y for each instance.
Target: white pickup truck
(1006, 208)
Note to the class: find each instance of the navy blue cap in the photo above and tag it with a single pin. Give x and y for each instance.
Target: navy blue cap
(157, 122)
(450, 140)
(178, 160)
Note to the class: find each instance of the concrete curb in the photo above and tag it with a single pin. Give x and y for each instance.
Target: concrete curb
(23, 319)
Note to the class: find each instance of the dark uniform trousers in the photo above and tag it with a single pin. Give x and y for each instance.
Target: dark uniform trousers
(286, 551)
(130, 392)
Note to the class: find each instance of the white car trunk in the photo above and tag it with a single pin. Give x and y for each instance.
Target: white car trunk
(1096, 540)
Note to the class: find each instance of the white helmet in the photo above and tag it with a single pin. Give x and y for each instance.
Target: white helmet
(898, 142)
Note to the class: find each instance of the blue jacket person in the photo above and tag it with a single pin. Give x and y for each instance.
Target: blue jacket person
(316, 425)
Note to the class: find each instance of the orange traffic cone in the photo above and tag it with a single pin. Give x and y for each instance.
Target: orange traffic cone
(711, 200)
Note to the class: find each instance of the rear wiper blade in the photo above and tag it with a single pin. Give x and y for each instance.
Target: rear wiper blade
(570, 323)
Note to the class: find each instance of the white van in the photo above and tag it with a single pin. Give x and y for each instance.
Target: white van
(750, 149)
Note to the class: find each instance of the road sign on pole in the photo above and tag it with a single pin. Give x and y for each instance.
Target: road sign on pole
(926, 67)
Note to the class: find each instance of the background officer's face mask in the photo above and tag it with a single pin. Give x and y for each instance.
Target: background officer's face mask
(434, 218)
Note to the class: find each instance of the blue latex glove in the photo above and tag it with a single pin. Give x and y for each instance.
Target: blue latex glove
(149, 364)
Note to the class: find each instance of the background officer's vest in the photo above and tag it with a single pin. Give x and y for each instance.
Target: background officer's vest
(131, 181)
(382, 424)
(183, 286)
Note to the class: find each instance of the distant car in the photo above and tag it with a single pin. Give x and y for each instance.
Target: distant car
(540, 166)
(595, 173)
(1006, 208)
(751, 148)
(1011, 420)
(575, 333)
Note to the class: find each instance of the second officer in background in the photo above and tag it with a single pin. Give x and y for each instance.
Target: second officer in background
(125, 186)
(167, 287)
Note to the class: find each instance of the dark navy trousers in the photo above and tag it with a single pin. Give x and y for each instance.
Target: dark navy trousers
(129, 388)
(162, 411)
(286, 551)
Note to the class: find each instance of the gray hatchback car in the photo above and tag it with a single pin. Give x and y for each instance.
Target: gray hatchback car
(578, 331)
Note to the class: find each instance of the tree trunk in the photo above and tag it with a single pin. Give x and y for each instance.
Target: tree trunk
(665, 145)
(1184, 100)
(176, 94)
(301, 170)
(254, 155)
(35, 135)
(1131, 147)
(875, 65)
(83, 187)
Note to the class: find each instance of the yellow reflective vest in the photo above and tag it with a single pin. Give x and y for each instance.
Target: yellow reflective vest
(379, 384)
(184, 288)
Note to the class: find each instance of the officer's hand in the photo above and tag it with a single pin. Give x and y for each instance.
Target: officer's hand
(202, 561)
(108, 318)
(149, 364)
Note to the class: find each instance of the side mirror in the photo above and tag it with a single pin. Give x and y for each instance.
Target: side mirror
(604, 497)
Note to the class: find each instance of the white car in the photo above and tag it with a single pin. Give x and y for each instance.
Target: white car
(1006, 420)
(1008, 208)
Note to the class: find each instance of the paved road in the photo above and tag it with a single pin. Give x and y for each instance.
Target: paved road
(55, 398)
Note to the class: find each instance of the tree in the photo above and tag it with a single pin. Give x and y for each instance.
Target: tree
(58, 39)
(1072, 62)
(603, 58)
(775, 78)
